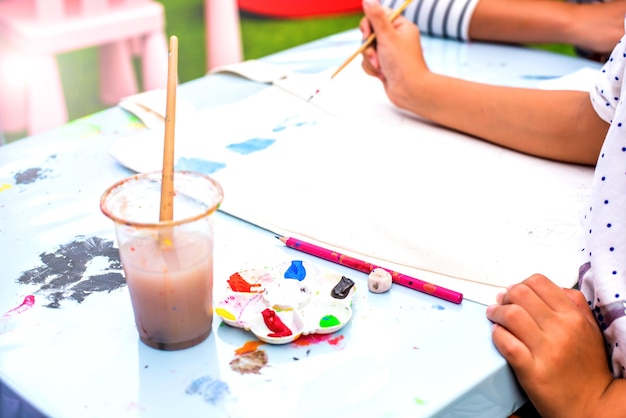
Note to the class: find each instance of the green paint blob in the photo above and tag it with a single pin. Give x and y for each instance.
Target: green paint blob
(329, 321)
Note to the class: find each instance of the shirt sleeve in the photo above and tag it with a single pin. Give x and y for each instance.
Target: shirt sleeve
(605, 96)
(444, 18)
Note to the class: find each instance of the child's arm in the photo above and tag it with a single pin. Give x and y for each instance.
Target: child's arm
(595, 26)
(560, 125)
(587, 24)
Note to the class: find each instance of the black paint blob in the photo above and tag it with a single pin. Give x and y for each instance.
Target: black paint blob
(342, 288)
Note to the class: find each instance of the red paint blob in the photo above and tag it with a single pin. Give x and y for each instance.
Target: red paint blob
(239, 284)
(274, 323)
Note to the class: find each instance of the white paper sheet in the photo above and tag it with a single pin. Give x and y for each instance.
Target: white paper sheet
(417, 196)
(351, 172)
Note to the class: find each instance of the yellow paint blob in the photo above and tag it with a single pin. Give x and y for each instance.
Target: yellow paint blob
(225, 314)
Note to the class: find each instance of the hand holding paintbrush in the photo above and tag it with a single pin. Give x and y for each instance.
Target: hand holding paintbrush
(368, 42)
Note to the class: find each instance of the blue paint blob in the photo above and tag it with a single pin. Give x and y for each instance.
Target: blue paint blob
(211, 390)
(295, 271)
(251, 145)
(198, 165)
(438, 307)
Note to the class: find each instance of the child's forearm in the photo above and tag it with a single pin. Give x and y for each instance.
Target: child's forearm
(520, 21)
(596, 27)
(559, 125)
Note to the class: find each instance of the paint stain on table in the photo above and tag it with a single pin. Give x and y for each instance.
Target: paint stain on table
(30, 175)
(307, 340)
(249, 363)
(211, 390)
(76, 270)
(249, 347)
(29, 302)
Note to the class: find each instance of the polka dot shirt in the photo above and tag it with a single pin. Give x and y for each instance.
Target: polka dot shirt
(603, 276)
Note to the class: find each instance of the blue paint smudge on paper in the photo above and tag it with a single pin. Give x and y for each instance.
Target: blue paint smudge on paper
(211, 390)
(293, 122)
(198, 165)
(538, 77)
(251, 145)
(438, 307)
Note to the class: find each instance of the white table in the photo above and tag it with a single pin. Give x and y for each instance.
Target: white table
(76, 353)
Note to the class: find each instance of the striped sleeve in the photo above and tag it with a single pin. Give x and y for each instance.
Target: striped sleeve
(445, 18)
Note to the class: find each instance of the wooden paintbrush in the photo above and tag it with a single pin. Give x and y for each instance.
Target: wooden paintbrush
(167, 180)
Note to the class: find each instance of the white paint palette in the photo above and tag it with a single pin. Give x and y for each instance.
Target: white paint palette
(280, 304)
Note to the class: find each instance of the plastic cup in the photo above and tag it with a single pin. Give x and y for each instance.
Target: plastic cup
(168, 265)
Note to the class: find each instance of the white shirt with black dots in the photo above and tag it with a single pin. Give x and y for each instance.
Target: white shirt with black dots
(603, 277)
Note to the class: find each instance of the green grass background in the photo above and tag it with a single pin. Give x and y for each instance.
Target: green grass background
(185, 19)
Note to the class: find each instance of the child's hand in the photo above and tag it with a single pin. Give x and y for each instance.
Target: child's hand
(551, 340)
(396, 56)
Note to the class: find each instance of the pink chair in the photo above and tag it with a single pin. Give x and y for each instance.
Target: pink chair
(223, 34)
(33, 32)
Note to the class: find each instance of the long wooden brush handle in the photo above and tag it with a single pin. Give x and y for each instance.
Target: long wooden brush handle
(167, 179)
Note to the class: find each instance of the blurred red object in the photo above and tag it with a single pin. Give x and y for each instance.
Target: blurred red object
(299, 8)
